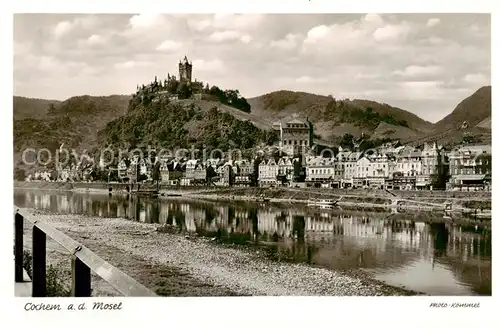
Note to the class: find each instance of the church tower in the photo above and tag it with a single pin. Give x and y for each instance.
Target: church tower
(185, 70)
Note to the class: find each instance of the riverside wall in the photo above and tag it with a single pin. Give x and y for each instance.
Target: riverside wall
(116, 187)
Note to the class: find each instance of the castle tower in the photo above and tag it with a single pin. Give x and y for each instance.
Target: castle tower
(185, 70)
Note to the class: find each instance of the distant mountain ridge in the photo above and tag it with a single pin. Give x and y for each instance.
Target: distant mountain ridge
(473, 110)
(471, 119)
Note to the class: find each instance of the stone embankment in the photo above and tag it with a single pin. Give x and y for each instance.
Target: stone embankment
(461, 200)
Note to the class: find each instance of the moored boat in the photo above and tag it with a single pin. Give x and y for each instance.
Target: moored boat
(322, 203)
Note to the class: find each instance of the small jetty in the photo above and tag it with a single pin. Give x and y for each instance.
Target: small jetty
(147, 193)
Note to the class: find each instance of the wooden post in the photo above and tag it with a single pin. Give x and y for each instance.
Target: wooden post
(39, 263)
(18, 246)
(80, 277)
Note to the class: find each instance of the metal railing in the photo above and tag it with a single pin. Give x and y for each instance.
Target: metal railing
(83, 261)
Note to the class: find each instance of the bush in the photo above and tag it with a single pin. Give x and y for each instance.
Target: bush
(54, 285)
(27, 262)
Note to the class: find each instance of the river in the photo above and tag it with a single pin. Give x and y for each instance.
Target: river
(398, 249)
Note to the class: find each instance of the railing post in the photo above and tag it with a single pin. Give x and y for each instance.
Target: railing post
(39, 279)
(18, 246)
(80, 275)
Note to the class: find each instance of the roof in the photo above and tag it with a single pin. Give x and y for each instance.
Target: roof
(475, 148)
(469, 177)
(293, 119)
(365, 157)
(349, 155)
(297, 121)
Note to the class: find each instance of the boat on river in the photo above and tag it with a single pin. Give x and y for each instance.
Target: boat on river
(323, 203)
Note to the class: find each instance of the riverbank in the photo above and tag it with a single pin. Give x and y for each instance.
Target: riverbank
(285, 193)
(188, 265)
(477, 210)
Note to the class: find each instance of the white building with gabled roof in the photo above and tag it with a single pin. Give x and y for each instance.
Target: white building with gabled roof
(268, 171)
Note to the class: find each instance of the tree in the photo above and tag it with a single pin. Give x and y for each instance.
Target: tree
(282, 178)
(299, 173)
(347, 141)
(53, 175)
(19, 174)
(441, 173)
(210, 174)
(155, 173)
(51, 109)
(113, 175)
(184, 91)
(142, 177)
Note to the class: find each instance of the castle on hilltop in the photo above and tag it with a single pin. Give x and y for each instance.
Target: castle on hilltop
(185, 70)
(171, 87)
(174, 88)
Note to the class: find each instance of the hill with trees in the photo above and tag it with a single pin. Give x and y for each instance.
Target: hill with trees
(74, 122)
(173, 125)
(333, 118)
(469, 122)
(31, 107)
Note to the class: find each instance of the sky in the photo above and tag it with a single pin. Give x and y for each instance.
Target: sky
(423, 63)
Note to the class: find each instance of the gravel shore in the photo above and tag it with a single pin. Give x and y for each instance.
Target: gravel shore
(179, 265)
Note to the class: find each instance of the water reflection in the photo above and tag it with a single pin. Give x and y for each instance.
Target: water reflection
(434, 258)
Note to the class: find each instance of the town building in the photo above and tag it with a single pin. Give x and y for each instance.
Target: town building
(244, 167)
(380, 171)
(347, 161)
(362, 171)
(470, 167)
(164, 172)
(190, 168)
(296, 135)
(322, 170)
(285, 168)
(243, 171)
(122, 169)
(409, 162)
(268, 171)
(200, 174)
(227, 177)
(403, 182)
(430, 162)
(172, 171)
